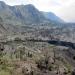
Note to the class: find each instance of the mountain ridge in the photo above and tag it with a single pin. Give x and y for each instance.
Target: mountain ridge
(25, 14)
(22, 14)
(53, 17)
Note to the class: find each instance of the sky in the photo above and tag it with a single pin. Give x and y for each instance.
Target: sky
(65, 9)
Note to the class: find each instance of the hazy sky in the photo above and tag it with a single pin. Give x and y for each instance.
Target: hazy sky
(62, 8)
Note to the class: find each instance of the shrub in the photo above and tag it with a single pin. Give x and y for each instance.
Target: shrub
(73, 72)
(17, 39)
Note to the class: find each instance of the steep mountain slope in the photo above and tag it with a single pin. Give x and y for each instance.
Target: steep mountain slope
(2, 28)
(24, 14)
(7, 28)
(53, 17)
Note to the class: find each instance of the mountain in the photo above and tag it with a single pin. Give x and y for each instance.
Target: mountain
(21, 14)
(25, 14)
(51, 16)
(2, 28)
(7, 28)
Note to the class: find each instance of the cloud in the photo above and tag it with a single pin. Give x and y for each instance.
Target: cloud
(67, 11)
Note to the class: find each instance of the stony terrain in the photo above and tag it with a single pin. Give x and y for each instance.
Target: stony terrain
(20, 56)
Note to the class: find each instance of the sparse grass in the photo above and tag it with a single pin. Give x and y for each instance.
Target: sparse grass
(34, 53)
(2, 72)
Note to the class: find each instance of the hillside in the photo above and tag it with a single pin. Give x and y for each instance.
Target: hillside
(34, 42)
(2, 28)
(25, 14)
(21, 14)
(51, 16)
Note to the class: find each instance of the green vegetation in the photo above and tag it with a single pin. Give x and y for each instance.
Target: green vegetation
(31, 58)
